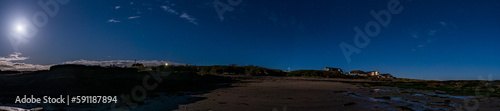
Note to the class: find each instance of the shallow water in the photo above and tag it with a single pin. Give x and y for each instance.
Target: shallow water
(393, 102)
(450, 96)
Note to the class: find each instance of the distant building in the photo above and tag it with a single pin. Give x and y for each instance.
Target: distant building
(386, 76)
(352, 74)
(373, 73)
(138, 65)
(364, 75)
(356, 73)
(332, 69)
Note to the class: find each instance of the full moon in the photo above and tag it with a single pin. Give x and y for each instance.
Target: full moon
(20, 28)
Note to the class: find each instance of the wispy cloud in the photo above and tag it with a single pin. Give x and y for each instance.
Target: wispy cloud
(14, 57)
(134, 17)
(113, 21)
(189, 18)
(186, 16)
(414, 36)
(9, 63)
(432, 32)
(169, 10)
(443, 23)
(164, 5)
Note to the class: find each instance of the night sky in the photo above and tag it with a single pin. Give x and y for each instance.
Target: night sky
(428, 39)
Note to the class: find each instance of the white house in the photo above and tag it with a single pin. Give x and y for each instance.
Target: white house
(373, 73)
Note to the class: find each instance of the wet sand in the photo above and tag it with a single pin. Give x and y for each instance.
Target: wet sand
(314, 94)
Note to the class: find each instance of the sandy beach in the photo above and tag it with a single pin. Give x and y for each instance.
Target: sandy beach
(314, 94)
(274, 93)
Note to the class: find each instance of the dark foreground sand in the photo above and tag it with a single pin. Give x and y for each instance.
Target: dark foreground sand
(310, 94)
(296, 94)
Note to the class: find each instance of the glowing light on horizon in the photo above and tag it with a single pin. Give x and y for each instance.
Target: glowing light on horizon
(166, 63)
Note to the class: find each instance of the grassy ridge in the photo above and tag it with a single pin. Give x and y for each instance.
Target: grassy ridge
(331, 74)
(219, 69)
(465, 88)
(95, 80)
(89, 80)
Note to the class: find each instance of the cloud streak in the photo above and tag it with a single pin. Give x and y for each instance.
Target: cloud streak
(186, 16)
(113, 21)
(9, 63)
(134, 17)
(14, 57)
(165, 6)
(169, 10)
(189, 18)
